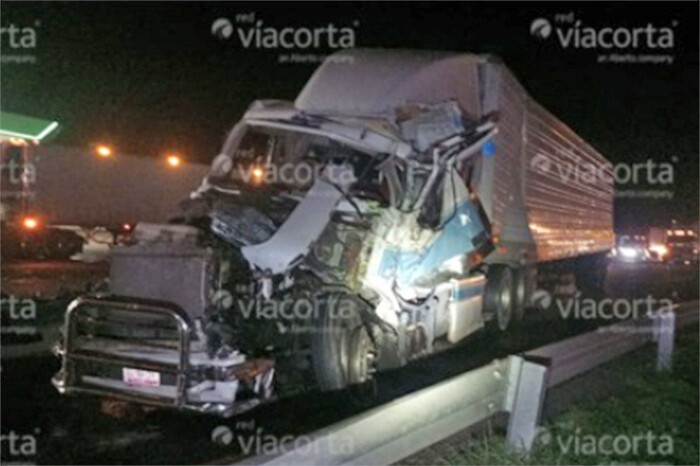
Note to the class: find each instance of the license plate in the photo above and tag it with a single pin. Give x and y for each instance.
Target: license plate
(140, 378)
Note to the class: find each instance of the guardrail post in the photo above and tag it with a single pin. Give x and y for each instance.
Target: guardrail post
(527, 406)
(664, 333)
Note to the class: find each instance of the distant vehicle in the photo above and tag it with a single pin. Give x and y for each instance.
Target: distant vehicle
(26, 238)
(404, 201)
(632, 248)
(658, 244)
(675, 245)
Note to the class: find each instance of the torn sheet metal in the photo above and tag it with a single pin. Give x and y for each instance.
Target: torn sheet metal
(291, 242)
(459, 230)
(434, 124)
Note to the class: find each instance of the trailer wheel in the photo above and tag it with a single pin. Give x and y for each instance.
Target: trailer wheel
(498, 298)
(342, 351)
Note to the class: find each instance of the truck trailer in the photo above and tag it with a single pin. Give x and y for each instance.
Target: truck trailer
(54, 197)
(404, 200)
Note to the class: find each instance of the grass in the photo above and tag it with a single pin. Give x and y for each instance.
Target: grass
(653, 421)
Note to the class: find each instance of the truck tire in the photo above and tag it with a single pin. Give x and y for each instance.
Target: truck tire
(342, 351)
(524, 279)
(519, 293)
(498, 298)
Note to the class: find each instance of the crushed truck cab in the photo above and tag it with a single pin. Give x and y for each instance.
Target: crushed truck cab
(387, 213)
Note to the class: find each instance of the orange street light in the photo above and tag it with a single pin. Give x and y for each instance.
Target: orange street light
(30, 223)
(174, 161)
(258, 173)
(103, 151)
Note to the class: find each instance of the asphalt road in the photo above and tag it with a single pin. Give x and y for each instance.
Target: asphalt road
(60, 430)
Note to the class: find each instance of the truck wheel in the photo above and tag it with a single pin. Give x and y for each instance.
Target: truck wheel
(523, 287)
(498, 298)
(519, 291)
(342, 350)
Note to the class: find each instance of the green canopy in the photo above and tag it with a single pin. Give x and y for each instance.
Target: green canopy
(13, 125)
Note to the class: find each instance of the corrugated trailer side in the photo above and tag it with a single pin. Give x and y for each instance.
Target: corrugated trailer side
(568, 189)
(549, 186)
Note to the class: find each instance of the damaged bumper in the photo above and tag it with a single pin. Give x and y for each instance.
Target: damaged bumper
(145, 352)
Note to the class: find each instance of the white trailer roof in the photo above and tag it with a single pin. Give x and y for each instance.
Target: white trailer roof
(398, 78)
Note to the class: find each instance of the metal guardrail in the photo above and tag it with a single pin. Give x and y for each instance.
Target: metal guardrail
(571, 357)
(516, 385)
(410, 423)
(568, 358)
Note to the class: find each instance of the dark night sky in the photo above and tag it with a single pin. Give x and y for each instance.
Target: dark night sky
(151, 77)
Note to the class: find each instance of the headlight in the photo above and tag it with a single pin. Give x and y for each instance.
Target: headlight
(660, 249)
(629, 253)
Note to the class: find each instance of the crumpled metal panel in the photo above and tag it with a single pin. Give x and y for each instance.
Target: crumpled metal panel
(531, 188)
(376, 82)
(292, 240)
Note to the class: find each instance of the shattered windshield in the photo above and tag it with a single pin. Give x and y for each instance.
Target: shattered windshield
(274, 158)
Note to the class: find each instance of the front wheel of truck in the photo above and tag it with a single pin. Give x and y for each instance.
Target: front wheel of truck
(498, 298)
(342, 350)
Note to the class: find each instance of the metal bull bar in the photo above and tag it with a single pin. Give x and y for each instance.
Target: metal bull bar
(108, 351)
(68, 381)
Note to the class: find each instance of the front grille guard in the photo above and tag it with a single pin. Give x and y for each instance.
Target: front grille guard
(67, 381)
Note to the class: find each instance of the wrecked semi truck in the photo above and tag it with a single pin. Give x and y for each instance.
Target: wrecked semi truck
(402, 202)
